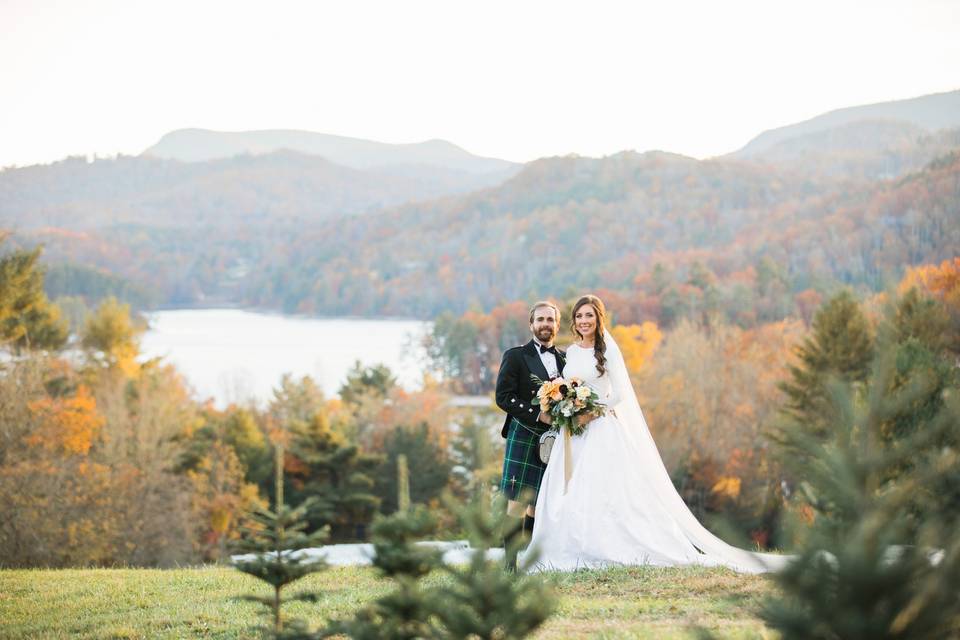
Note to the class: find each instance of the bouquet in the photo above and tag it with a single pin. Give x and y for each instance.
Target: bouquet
(565, 399)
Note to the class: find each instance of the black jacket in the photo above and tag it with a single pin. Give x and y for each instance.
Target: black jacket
(516, 389)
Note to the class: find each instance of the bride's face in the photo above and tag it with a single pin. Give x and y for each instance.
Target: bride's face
(585, 319)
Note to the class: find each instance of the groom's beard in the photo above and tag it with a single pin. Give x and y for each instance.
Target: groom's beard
(546, 335)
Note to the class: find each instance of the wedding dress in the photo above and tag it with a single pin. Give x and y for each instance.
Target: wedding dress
(620, 506)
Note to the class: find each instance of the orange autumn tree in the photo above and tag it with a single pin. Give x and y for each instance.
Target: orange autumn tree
(941, 283)
(708, 395)
(66, 425)
(220, 500)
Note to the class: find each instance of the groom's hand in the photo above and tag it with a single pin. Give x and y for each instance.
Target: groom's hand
(545, 418)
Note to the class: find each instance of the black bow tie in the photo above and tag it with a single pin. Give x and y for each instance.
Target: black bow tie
(544, 349)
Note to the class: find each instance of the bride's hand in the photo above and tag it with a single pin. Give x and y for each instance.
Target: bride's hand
(545, 418)
(584, 418)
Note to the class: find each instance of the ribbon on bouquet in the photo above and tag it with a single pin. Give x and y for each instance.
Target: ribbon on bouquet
(568, 453)
(567, 459)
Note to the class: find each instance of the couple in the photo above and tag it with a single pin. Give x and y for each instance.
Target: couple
(605, 497)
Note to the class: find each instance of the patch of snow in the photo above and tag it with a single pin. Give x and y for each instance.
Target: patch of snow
(359, 554)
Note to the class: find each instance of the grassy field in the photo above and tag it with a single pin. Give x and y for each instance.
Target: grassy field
(642, 602)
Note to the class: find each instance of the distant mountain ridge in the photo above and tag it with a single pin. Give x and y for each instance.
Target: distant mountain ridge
(199, 145)
(277, 187)
(929, 113)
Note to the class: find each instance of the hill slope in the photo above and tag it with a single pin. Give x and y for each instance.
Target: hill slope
(573, 224)
(284, 185)
(930, 113)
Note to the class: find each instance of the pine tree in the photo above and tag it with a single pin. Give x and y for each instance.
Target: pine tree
(919, 328)
(428, 461)
(841, 347)
(366, 381)
(864, 570)
(27, 319)
(484, 601)
(477, 456)
(405, 613)
(337, 475)
(480, 600)
(276, 541)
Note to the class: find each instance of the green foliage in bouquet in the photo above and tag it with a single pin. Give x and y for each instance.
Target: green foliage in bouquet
(565, 399)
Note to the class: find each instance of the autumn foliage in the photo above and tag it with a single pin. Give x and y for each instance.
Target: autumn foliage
(107, 459)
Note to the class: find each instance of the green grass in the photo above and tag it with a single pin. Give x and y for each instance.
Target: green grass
(641, 602)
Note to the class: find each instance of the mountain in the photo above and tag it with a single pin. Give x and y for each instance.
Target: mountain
(262, 189)
(928, 113)
(198, 145)
(568, 225)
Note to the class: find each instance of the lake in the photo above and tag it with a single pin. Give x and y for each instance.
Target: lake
(232, 355)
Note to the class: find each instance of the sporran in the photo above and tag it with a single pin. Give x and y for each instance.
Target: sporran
(546, 445)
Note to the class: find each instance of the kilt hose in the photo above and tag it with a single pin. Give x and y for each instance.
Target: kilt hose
(522, 468)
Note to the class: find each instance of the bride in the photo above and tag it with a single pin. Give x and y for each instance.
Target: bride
(605, 497)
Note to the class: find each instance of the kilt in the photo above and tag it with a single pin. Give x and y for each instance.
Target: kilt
(522, 469)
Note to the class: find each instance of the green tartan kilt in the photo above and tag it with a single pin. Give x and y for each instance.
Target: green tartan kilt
(522, 469)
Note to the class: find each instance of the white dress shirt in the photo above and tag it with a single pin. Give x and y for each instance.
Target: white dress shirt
(549, 361)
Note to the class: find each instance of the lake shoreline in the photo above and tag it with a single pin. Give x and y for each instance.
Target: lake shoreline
(271, 311)
(234, 354)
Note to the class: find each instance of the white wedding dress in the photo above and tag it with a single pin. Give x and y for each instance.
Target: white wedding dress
(620, 506)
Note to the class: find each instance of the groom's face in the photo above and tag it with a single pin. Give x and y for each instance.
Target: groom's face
(545, 325)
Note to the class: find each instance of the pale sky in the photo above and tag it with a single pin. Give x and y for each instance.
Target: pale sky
(516, 80)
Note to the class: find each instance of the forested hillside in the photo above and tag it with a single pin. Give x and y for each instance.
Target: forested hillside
(757, 236)
(569, 224)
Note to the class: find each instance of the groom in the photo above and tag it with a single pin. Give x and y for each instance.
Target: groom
(524, 423)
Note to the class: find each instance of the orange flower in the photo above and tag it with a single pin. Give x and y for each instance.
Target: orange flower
(546, 388)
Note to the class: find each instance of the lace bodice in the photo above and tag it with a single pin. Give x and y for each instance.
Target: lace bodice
(581, 364)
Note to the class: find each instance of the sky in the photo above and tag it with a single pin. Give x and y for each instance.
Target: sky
(516, 80)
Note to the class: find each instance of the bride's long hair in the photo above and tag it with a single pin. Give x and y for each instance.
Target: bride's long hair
(599, 345)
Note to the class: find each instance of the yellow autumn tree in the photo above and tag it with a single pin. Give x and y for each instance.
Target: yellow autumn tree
(637, 343)
(113, 337)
